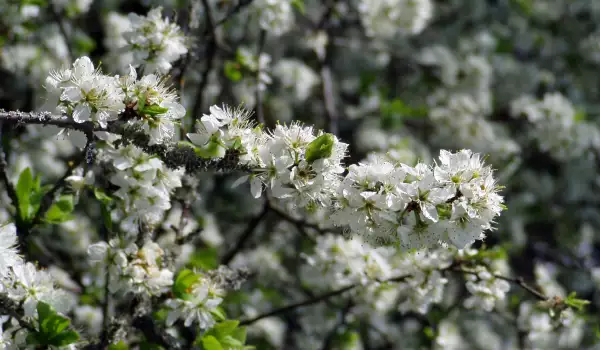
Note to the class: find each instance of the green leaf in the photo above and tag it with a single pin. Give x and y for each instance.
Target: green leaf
(525, 5)
(102, 196)
(64, 338)
(212, 150)
(429, 333)
(118, 346)
(576, 303)
(84, 44)
(240, 334)
(230, 342)
(225, 328)
(218, 313)
(106, 218)
(321, 147)
(41, 3)
(183, 283)
(299, 5)
(233, 71)
(205, 259)
(211, 343)
(153, 110)
(394, 111)
(53, 328)
(60, 211)
(580, 115)
(45, 311)
(23, 190)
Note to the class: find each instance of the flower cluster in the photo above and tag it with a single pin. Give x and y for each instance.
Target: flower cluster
(557, 126)
(421, 206)
(145, 186)
(294, 163)
(485, 288)
(132, 269)
(339, 262)
(152, 100)
(385, 18)
(23, 283)
(425, 283)
(197, 303)
(154, 41)
(275, 16)
(84, 93)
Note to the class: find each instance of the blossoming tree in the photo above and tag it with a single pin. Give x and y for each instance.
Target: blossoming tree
(211, 174)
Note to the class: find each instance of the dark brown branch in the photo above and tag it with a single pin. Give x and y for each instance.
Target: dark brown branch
(260, 116)
(237, 8)
(48, 198)
(289, 218)
(521, 283)
(314, 300)
(308, 302)
(518, 281)
(331, 113)
(211, 52)
(245, 235)
(14, 310)
(63, 30)
(12, 194)
(174, 155)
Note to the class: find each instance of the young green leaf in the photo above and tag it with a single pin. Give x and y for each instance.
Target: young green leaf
(321, 147)
(60, 211)
(211, 343)
(183, 283)
(24, 187)
(153, 110)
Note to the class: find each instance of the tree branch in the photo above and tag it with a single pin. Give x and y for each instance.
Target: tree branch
(63, 30)
(518, 281)
(313, 300)
(245, 235)
(237, 8)
(211, 51)
(260, 116)
(12, 194)
(331, 113)
(174, 155)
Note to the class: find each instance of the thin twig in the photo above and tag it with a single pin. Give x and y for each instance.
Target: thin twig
(63, 30)
(521, 283)
(287, 217)
(237, 8)
(331, 113)
(48, 198)
(12, 194)
(211, 51)
(314, 300)
(105, 310)
(245, 235)
(342, 321)
(260, 116)
(308, 302)
(174, 155)
(518, 281)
